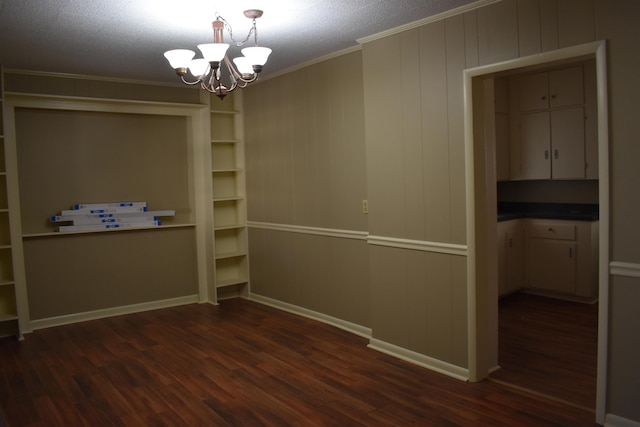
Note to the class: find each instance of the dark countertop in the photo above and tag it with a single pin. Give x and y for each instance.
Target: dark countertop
(570, 211)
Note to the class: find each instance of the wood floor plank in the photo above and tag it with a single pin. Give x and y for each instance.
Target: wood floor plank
(549, 346)
(241, 364)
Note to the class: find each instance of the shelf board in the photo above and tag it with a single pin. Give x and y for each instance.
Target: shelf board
(226, 255)
(115, 230)
(229, 227)
(231, 282)
(5, 246)
(6, 317)
(5, 282)
(213, 111)
(227, 199)
(226, 170)
(225, 141)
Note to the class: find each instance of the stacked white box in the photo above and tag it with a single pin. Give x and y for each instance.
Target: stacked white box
(109, 216)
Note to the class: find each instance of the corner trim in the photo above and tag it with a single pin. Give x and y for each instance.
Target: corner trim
(420, 359)
(310, 314)
(109, 312)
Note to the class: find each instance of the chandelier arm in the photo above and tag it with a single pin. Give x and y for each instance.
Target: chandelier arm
(232, 71)
(195, 82)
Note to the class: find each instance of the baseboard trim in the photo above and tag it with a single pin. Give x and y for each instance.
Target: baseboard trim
(110, 312)
(310, 314)
(616, 421)
(420, 359)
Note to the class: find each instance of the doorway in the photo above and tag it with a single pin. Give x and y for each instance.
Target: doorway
(482, 212)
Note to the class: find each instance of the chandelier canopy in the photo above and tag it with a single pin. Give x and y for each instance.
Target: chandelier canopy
(208, 70)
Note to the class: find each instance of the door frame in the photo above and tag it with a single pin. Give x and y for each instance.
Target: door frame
(481, 220)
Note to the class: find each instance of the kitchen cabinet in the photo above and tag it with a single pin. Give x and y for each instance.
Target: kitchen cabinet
(552, 144)
(561, 257)
(510, 256)
(547, 132)
(551, 257)
(501, 119)
(552, 89)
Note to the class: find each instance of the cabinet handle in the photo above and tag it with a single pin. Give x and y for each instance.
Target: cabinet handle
(553, 96)
(570, 252)
(555, 154)
(510, 242)
(546, 154)
(550, 229)
(543, 97)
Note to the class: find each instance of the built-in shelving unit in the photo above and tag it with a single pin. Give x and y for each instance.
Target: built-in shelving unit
(78, 139)
(9, 324)
(229, 202)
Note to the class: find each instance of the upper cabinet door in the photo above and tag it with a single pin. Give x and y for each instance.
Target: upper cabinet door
(533, 90)
(567, 143)
(535, 146)
(566, 87)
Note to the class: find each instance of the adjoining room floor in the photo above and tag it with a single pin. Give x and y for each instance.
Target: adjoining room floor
(549, 346)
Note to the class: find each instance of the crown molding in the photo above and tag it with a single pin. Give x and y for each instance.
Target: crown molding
(453, 12)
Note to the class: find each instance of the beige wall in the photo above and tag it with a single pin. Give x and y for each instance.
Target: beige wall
(617, 22)
(305, 161)
(413, 133)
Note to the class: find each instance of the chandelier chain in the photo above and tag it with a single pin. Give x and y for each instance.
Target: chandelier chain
(253, 31)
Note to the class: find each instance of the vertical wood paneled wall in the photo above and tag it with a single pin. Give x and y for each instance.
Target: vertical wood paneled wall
(406, 155)
(305, 159)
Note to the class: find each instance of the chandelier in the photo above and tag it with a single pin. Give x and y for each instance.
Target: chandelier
(208, 70)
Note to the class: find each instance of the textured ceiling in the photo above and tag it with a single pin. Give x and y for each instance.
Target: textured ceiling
(126, 38)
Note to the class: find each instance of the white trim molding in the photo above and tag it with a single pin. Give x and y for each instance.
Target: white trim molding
(420, 359)
(626, 269)
(317, 231)
(419, 245)
(110, 312)
(310, 314)
(439, 17)
(393, 242)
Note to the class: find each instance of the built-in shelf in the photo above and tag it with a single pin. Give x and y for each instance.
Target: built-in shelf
(114, 230)
(7, 317)
(229, 205)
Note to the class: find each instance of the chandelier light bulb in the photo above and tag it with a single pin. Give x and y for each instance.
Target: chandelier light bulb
(257, 55)
(179, 58)
(199, 67)
(213, 52)
(244, 66)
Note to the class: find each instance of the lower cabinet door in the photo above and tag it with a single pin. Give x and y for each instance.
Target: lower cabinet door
(552, 265)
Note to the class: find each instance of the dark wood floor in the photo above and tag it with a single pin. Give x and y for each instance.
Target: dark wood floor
(241, 364)
(549, 346)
